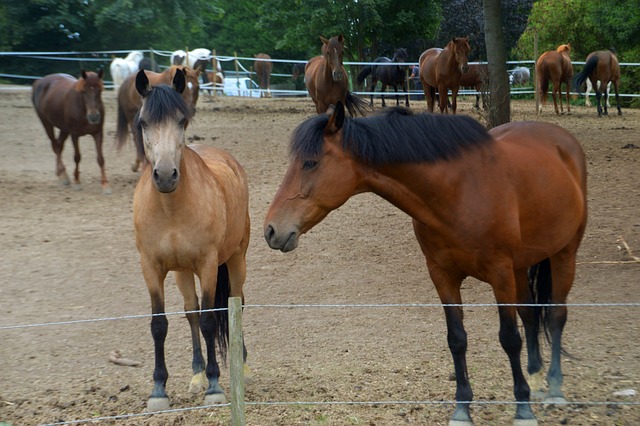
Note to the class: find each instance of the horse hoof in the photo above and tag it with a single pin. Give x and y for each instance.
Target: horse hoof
(77, 187)
(106, 190)
(198, 383)
(157, 404)
(525, 422)
(215, 398)
(554, 400)
(460, 423)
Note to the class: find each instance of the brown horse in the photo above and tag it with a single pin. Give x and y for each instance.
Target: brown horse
(441, 70)
(601, 67)
(327, 81)
(75, 107)
(129, 102)
(477, 76)
(263, 67)
(492, 205)
(555, 65)
(190, 216)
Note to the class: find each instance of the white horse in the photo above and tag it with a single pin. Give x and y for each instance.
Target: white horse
(196, 58)
(519, 75)
(587, 102)
(122, 68)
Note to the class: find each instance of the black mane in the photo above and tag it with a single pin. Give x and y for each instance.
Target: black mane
(395, 136)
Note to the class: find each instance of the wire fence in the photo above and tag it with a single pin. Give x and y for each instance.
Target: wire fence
(239, 66)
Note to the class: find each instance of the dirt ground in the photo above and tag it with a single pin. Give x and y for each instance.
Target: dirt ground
(70, 255)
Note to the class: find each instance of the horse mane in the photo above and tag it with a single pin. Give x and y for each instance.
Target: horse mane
(162, 102)
(395, 136)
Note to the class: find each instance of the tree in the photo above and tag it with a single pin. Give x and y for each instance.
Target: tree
(499, 104)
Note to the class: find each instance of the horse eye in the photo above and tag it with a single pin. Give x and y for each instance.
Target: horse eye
(182, 122)
(309, 164)
(143, 124)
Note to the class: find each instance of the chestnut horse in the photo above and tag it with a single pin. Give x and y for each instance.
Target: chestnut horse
(387, 75)
(129, 102)
(601, 68)
(492, 205)
(263, 68)
(75, 107)
(190, 216)
(555, 65)
(327, 81)
(441, 70)
(477, 76)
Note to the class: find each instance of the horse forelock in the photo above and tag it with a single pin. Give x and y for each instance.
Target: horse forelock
(88, 80)
(394, 136)
(163, 103)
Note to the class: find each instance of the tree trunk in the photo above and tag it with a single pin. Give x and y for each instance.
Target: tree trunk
(499, 90)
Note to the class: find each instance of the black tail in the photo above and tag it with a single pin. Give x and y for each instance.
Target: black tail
(363, 74)
(221, 317)
(356, 105)
(582, 76)
(122, 128)
(540, 285)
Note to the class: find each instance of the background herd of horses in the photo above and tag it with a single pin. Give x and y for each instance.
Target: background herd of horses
(399, 155)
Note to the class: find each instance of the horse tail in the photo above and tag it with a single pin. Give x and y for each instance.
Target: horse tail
(356, 105)
(122, 128)
(582, 76)
(221, 317)
(363, 74)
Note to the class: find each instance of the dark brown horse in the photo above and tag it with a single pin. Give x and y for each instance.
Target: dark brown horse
(601, 67)
(388, 75)
(129, 102)
(477, 76)
(75, 107)
(263, 68)
(327, 80)
(441, 70)
(508, 207)
(555, 65)
(190, 216)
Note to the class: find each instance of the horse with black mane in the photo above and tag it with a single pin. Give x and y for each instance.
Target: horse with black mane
(388, 75)
(601, 68)
(506, 206)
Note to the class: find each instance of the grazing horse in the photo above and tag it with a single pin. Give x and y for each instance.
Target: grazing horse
(508, 207)
(122, 68)
(263, 68)
(441, 70)
(327, 81)
(190, 216)
(75, 107)
(601, 68)
(555, 65)
(388, 75)
(129, 102)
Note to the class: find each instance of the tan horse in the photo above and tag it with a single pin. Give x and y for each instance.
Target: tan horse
(508, 207)
(555, 65)
(190, 216)
(601, 68)
(441, 70)
(327, 80)
(129, 102)
(75, 107)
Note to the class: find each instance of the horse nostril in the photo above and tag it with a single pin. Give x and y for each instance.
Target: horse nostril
(269, 233)
(174, 175)
(156, 176)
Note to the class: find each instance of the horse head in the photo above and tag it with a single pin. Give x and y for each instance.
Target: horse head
(564, 49)
(91, 86)
(332, 50)
(401, 55)
(161, 123)
(461, 48)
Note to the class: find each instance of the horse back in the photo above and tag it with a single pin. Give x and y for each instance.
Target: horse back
(428, 65)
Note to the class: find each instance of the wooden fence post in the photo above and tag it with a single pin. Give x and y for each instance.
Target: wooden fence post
(236, 364)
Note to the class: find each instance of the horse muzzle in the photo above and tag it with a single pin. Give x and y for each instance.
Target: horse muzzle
(166, 179)
(336, 75)
(280, 241)
(464, 68)
(94, 118)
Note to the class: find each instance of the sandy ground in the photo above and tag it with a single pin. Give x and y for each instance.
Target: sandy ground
(70, 255)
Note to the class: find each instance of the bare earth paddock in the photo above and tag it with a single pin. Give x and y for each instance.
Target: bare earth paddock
(70, 255)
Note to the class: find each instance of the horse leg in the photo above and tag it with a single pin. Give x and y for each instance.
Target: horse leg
(554, 94)
(616, 83)
(154, 278)
(603, 91)
(454, 99)
(372, 90)
(444, 98)
(76, 159)
(430, 93)
(567, 89)
(598, 99)
(57, 144)
(530, 319)
(208, 281)
(100, 159)
(383, 90)
(187, 286)
(405, 89)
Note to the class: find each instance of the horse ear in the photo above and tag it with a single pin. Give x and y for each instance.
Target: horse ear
(324, 40)
(100, 73)
(179, 82)
(142, 83)
(340, 38)
(336, 121)
(83, 74)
